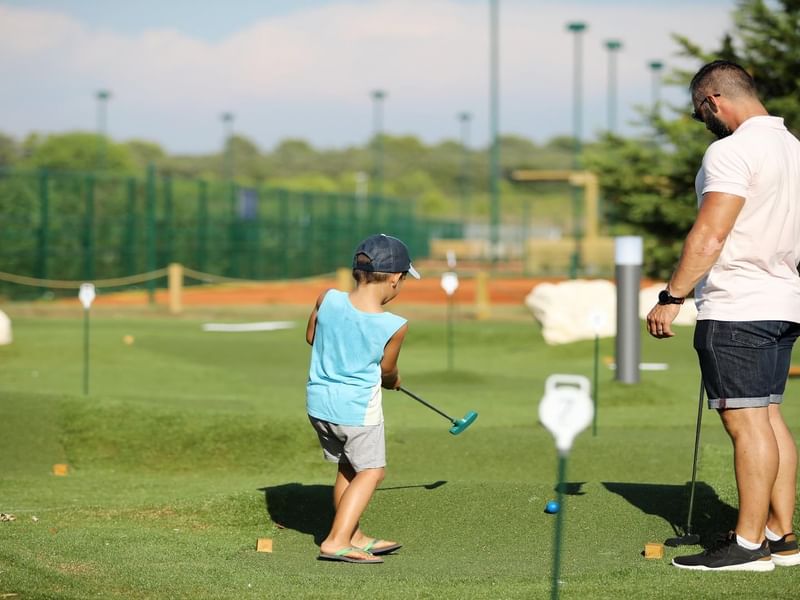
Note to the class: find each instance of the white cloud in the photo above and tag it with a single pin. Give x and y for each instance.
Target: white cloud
(308, 74)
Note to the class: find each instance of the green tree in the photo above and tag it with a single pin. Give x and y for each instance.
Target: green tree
(77, 151)
(9, 150)
(648, 182)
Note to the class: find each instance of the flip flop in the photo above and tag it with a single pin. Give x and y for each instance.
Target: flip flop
(385, 550)
(340, 556)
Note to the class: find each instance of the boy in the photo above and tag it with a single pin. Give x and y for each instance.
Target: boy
(355, 345)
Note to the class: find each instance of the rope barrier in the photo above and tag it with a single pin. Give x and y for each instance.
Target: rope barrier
(210, 278)
(69, 285)
(132, 279)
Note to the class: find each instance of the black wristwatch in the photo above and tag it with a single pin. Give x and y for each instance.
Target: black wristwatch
(664, 297)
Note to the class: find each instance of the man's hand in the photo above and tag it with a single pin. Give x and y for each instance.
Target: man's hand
(660, 318)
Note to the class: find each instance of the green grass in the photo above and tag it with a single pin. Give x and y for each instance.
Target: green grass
(192, 445)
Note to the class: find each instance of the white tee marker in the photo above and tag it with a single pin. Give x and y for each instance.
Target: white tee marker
(449, 283)
(566, 408)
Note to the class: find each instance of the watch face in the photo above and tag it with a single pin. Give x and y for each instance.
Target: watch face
(663, 297)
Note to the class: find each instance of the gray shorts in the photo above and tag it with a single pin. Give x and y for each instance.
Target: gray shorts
(362, 447)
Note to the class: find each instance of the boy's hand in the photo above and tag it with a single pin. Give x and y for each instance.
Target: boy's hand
(391, 381)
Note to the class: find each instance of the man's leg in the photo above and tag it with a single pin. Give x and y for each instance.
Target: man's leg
(782, 498)
(755, 452)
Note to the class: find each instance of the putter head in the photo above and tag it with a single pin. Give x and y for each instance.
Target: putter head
(460, 425)
(690, 539)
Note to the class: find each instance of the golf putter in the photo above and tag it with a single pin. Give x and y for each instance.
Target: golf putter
(689, 538)
(459, 425)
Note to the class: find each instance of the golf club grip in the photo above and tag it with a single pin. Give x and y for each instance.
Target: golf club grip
(420, 400)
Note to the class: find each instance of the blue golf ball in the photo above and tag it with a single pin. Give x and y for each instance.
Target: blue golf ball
(552, 507)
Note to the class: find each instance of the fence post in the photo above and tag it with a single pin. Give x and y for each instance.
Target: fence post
(44, 224)
(150, 231)
(88, 230)
(202, 224)
(482, 302)
(308, 234)
(175, 287)
(255, 250)
(233, 238)
(169, 222)
(344, 279)
(330, 258)
(283, 227)
(129, 242)
(525, 221)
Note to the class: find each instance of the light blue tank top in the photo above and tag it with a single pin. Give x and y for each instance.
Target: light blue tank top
(344, 380)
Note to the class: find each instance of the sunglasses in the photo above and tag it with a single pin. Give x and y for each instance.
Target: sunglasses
(696, 114)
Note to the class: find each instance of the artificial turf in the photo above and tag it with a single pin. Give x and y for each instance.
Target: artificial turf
(191, 445)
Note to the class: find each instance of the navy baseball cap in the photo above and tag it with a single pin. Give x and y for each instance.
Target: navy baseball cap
(387, 254)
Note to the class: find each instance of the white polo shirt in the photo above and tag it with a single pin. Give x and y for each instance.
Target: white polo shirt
(755, 277)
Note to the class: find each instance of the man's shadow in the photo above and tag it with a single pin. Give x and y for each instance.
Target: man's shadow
(710, 515)
(309, 508)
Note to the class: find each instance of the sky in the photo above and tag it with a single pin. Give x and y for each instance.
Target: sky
(305, 69)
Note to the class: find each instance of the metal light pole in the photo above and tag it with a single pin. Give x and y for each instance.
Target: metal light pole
(656, 66)
(612, 46)
(577, 28)
(378, 96)
(464, 118)
(494, 123)
(102, 120)
(227, 123)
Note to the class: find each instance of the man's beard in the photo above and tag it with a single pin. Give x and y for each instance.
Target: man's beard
(717, 127)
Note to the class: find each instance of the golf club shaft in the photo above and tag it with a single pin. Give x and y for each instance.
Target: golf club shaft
(694, 460)
(433, 408)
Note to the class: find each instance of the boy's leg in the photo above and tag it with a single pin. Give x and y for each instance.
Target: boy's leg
(782, 499)
(359, 539)
(352, 503)
(343, 478)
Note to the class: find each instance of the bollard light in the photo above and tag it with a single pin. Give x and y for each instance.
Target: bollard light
(628, 256)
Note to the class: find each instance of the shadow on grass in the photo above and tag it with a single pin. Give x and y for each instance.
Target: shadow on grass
(309, 508)
(571, 488)
(710, 515)
(304, 508)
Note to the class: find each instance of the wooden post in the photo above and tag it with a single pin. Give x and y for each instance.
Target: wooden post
(344, 279)
(175, 286)
(482, 303)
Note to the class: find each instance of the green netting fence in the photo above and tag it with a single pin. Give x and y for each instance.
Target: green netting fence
(89, 226)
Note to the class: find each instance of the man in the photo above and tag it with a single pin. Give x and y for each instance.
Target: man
(742, 254)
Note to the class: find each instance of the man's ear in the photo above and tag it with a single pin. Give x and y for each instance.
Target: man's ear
(395, 279)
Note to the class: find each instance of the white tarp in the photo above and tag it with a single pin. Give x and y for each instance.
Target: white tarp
(247, 327)
(5, 329)
(580, 309)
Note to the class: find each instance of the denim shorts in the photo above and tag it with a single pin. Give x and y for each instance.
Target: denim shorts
(364, 447)
(744, 363)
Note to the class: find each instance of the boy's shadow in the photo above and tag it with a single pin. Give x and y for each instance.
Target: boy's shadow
(304, 508)
(309, 508)
(710, 515)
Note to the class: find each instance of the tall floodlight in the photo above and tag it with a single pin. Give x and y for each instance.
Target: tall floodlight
(577, 28)
(612, 46)
(656, 66)
(227, 123)
(103, 97)
(378, 96)
(494, 124)
(464, 118)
